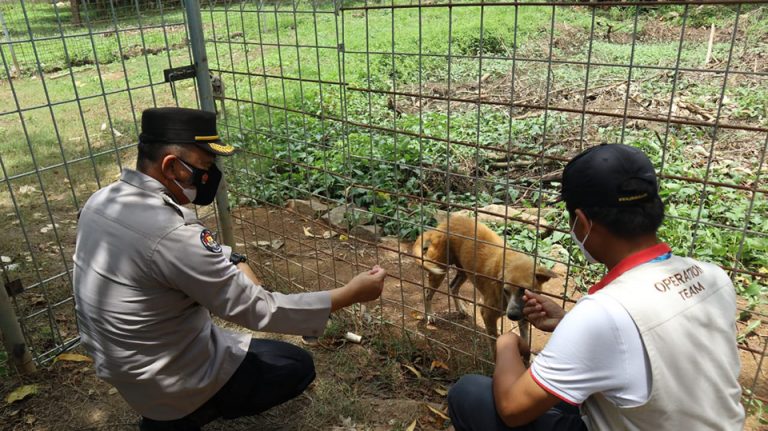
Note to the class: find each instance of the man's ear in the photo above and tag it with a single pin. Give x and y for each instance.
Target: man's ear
(166, 166)
(582, 220)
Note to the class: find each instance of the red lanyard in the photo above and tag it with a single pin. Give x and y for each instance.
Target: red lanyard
(630, 262)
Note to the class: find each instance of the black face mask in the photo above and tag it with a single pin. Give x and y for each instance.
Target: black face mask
(206, 183)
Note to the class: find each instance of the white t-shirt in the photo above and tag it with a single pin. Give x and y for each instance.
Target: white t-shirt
(596, 348)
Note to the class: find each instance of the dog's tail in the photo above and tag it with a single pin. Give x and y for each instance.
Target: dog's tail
(427, 247)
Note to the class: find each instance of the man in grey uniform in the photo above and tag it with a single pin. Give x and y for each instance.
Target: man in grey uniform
(148, 274)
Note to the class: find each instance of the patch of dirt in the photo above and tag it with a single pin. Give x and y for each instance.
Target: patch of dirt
(137, 50)
(569, 39)
(70, 397)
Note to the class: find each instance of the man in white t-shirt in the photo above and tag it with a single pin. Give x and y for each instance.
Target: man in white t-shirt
(653, 345)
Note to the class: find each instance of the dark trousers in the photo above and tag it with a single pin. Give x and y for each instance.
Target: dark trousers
(472, 407)
(272, 373)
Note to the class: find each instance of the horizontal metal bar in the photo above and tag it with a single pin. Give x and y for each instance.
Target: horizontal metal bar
(639, 3)
(718, 225)
(80, 99)
(68, 162)
(102, 33)
(426, 168)
(44, 281)
(480, 211)
(399, 252)
(752, 189)
(513, 104)
(52, 353)
(392, 302)
(317, 250)
(281, 77)
(369, 243)
(48, 307)
(35, 314)
(484, 147)
(415, 198)
(272, 11)
(278, 45)
(518, 60)
(406, 133)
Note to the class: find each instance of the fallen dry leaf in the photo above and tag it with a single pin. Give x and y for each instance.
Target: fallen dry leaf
(72, 357)
(438, 364)
(21, 393)
(412, 426)
(441, 391)
(437, 412)
(413, 370)
(308, 232)
(112, 391)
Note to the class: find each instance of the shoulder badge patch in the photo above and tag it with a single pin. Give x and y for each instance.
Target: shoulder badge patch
(209, 242)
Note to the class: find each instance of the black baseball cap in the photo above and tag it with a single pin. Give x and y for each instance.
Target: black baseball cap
(609, 176)
(183, 126)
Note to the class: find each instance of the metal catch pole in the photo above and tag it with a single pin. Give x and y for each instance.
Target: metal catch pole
(197, 42)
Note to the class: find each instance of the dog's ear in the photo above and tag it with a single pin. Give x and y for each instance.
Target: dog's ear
(544, 274)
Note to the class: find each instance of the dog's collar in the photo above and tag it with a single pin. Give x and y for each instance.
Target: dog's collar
(631, 261)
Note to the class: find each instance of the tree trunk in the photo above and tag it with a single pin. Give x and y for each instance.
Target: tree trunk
(75, 9)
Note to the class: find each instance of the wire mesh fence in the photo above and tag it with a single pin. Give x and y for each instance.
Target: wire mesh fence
(71, 93)
(363, 124)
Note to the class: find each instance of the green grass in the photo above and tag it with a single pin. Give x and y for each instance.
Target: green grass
(51, 52)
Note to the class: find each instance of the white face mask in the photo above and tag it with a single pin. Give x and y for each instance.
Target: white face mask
(583, 249)
(191, 194)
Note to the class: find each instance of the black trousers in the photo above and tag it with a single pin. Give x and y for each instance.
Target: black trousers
(472, 407)
(272, 373)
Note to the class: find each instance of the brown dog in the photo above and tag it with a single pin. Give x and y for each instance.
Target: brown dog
(478, 254)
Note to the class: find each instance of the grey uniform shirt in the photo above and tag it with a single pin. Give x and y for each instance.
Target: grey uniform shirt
(144, 284)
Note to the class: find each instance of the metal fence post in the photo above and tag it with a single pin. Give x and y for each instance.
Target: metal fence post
(10, 44)
(13, 338)
(197, 42)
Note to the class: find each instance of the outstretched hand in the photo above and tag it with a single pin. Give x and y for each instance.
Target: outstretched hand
(368, 285)
(364, 287)
(541, 311)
